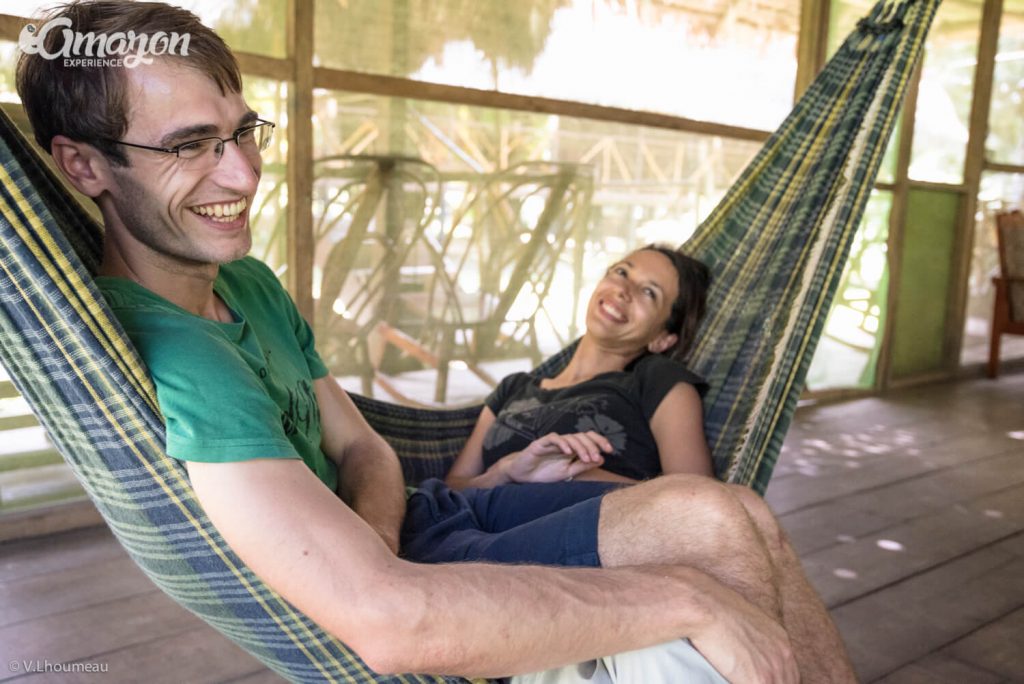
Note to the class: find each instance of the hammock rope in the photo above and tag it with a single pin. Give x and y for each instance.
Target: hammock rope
(777, 244)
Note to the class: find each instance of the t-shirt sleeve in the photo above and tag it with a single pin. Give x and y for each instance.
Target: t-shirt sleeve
(215, 408)
(304, 334)
(656, 375)
(508, 387)
(303, 331)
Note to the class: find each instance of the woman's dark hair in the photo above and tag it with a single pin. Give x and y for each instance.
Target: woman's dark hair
(688, 308)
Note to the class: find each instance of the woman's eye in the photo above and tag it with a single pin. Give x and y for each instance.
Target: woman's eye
(649, 292)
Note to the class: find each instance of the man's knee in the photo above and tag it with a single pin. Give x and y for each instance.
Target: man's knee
(762, 516)
(694, 500)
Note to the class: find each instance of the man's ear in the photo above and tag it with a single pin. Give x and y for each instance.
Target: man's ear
(82, 164)
(664, 341)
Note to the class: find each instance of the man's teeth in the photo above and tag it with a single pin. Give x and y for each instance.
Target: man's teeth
(222, 212)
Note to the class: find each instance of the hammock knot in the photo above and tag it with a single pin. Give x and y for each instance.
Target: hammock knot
(878, 28)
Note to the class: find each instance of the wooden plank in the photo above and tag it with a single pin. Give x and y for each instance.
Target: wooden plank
(890, 629)
(261, 677)
(54, 518)
(196, 656)
(936, 668)
(55, 553)
(848, 571)
(73, 588)
(996, 647)
(15, 422)
(73, 636)
(834, 468)
(8, 390)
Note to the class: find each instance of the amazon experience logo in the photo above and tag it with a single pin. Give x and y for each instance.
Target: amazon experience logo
(100, 49)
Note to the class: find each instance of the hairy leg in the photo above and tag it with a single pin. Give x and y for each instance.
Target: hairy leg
(689, 520)
(817, 644)
(729, 533)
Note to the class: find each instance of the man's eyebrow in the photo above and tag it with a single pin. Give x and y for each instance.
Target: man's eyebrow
(247, 118)
(188, 133)
(202, 130)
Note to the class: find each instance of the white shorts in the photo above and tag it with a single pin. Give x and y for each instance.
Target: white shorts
(675, 662)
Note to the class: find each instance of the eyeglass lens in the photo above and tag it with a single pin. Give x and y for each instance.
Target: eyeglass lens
(208, 151)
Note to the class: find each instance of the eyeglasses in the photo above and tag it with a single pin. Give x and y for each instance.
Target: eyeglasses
(206, 152)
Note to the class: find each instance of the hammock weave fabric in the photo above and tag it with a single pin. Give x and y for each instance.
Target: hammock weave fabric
(776, 244)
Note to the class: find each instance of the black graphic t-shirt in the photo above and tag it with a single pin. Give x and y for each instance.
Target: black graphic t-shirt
(618, 405)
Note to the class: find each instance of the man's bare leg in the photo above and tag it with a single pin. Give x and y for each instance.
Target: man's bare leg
(693, 521)
(817, 643)
(720, 530)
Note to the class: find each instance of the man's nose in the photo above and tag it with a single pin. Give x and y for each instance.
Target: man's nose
(236, 170)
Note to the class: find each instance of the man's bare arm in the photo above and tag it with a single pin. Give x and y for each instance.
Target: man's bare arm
(369, 476)
(467, 619)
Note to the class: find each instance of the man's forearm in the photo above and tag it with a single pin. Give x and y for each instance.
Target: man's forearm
(488, 620)
(370, 482)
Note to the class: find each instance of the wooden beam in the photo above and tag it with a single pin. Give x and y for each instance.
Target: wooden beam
(10, 26)
(300, 156)
(812, 45)
(981, 102)
(897, 222)
(999, 167)
(273, 68)
(390, 86)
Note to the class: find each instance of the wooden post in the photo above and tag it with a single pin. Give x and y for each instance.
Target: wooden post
(300, 156)
(973, 166)
(812, 43)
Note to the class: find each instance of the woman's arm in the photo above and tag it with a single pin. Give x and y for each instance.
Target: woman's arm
(468, 469)
(678, 428)
(550, 458)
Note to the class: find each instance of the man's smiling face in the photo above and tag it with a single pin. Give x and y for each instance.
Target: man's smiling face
(195, 213)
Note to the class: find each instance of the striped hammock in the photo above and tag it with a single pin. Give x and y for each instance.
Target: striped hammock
(776, 244)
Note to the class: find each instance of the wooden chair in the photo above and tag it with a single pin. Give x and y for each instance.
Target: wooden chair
(1008, 311)
(371, 212)
(489, 289)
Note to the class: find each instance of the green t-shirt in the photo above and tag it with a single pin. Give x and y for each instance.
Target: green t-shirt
(230, 391)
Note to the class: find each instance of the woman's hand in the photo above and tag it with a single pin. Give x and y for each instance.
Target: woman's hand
(554, 457)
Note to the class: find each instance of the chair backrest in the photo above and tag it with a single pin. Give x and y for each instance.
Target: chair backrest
(505, 247)
(371, 212)
(1010, 237)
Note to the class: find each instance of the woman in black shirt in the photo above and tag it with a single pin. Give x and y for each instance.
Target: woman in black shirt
(622, 410)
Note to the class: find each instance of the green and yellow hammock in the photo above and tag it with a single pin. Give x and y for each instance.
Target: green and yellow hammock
(776, 245)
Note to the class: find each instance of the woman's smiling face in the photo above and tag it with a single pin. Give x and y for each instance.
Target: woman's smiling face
(632, 303)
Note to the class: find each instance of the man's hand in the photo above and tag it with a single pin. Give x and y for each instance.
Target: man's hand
(744, 644)
(553, 457)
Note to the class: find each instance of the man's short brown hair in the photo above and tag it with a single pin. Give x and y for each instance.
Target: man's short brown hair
(90, 103)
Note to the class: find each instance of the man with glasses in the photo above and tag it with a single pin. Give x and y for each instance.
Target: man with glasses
(287, 469)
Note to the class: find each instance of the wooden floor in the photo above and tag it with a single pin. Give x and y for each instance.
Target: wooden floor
(908, 512)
